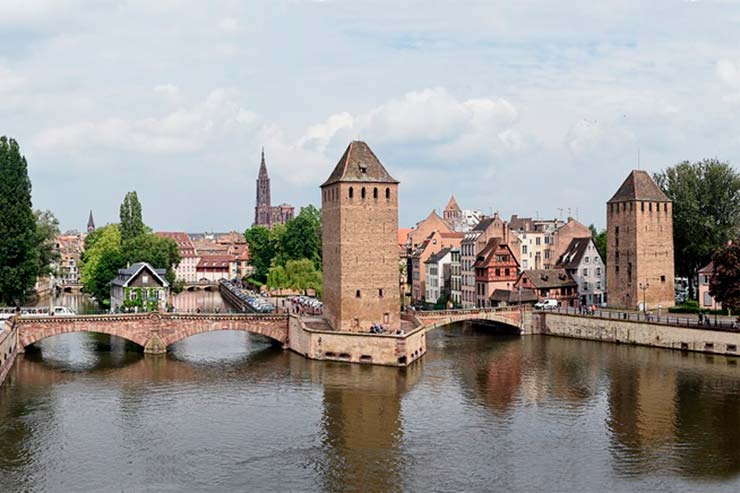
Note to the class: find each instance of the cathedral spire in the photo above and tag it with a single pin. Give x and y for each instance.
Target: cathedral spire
(90, 223)
(263, 167)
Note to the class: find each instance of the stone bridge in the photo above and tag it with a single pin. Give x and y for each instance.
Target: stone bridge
(153, 331)
(516, 318)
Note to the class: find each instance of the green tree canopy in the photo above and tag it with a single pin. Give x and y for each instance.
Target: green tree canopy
(706, 210)
(302, 275)
(130, 214)
(101, 260)
(302, 238)
(47, 229)
(161, 253)
(261, 250)
(725, 284)
(19, 240)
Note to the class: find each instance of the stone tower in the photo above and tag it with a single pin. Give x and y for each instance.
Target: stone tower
(90, 223)
(452, 213)
(360, 243)
(639, 223)
(262, 207)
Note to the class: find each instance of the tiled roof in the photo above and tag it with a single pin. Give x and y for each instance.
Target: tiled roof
(124, 275)
(521, 223)
(526, 295)
(452, 205)
(639, 185)
(483, 259)
(403, 235)
(707, 269)
(548, 278)
(359, 164)
(572, 256)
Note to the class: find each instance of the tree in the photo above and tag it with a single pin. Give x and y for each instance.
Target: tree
(19, 257)
(47, 229)
(302, 275)
(101, 260)
(130, 214)
(261, 250)
(706, 211)
(277, 278)
(161, 253)
(599, 240)
(725, 284)
(302, 238)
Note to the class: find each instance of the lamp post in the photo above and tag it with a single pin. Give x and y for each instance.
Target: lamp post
(644, 287)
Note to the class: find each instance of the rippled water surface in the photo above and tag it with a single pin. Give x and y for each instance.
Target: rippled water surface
(482, 412)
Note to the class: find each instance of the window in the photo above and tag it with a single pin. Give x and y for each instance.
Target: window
(362, 193)
(598, 285)
(650, 207)
(524, 249)
(498, 272)
(598, 271)
(387, 193)
(587, 259)
(585, 272)
(507, 272)
(662, 279)
(537, 241)
(616, 230)
(524, 265)
(642, 206)
(351, 192)
(357, 293)
(145, 279)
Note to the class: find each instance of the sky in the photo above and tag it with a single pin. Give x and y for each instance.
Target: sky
(528, 107)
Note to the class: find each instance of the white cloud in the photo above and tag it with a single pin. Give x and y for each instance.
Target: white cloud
(183, 130)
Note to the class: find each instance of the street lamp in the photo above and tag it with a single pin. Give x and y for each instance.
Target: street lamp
(644, 288)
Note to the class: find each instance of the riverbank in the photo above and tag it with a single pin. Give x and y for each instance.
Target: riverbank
(637, 332)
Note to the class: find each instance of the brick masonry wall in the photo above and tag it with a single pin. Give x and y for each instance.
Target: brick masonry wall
(645, 241)
(360, 238)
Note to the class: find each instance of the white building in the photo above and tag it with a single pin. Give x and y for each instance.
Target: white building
(438, 276)
(584, 263)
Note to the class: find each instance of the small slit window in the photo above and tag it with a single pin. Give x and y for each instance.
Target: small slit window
(387, 193)
(363, 192)
(380, 293)
(375, 193)
(351, 192)
(357, 293)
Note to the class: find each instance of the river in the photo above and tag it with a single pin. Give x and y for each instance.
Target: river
(227, 411)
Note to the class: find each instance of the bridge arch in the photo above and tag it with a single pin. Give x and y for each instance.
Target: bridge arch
(192, 326)
(36, 333)
(508, 317)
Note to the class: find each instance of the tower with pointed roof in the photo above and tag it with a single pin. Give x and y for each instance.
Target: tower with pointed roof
(262, 206)
(360, 244)
(90, 223)
(639, 222)
(452, 213)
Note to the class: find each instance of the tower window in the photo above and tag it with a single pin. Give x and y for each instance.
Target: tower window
(363, 192)
(375, 193)
(380, 293)
(642, 206)
(357, 293)
(351, 192)
(387, 193)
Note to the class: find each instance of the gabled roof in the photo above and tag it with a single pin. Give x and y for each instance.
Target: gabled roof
(707, 269)
(639, 185)
(515, 296)
(125, 275)
(90, 221)
(452, 205)
(359, 164)
(403, 235)
(547, 278)
(521, 223)
(437, 256)
(483, 224)
(571, 258)
(484, 258)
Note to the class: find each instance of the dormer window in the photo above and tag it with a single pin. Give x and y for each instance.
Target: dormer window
(363, 168)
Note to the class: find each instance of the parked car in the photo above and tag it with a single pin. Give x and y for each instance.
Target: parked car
(546, 304)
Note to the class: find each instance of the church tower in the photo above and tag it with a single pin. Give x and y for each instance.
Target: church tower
(360, 243)
(90, 223)
(262, 208)
(639, 225)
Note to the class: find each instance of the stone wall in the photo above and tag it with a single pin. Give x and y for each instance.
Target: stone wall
(354, 347)
(8, 348)
(641, 333)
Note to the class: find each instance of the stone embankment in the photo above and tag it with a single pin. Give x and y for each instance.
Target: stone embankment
(8, 347)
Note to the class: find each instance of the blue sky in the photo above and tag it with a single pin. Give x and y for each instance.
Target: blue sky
(524, 107)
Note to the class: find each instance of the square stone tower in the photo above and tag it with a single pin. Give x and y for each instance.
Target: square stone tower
(360, 243)
(639, 224)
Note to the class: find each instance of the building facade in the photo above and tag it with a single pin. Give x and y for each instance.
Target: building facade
(495, 268)
(456, 277)
(706, 300)
(360, 243)
(433, 244)
(550, 284)
(438, 272)
(265, 214)
(139, 287)
(185, 271)
(584, 264)
(639, 223)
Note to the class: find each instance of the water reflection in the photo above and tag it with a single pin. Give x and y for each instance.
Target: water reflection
(229, 411)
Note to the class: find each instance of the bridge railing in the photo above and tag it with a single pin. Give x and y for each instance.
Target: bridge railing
(674, 320)
(469, 311)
